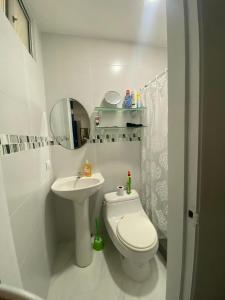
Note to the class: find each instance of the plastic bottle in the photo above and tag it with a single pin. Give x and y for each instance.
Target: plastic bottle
(134, 99)
(127, 100)
(87, 169)
(139, 104)
(129, 183)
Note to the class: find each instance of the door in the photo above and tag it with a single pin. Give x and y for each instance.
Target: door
(183, 127)
(209, 275)
(196, 233)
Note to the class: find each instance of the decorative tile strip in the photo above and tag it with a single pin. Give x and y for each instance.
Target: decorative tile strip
(16, 143)
(106, 136)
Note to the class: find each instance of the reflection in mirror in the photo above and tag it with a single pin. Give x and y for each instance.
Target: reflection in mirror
(70, 123)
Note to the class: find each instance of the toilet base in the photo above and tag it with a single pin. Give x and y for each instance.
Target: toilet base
(136, 271)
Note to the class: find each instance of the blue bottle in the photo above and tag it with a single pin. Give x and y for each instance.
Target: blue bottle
(127, 100)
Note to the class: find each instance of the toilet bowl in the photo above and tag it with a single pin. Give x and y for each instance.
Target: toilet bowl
(131, 232)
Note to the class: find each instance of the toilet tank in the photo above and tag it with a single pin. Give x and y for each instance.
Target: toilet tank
(115, 205)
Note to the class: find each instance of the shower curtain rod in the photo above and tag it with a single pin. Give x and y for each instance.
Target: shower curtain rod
(156, 78)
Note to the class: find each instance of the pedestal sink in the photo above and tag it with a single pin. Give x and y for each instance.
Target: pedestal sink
(79, 189)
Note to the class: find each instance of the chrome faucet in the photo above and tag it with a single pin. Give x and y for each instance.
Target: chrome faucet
(79, 175)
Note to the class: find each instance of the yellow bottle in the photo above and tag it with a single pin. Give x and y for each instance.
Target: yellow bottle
(87, 169)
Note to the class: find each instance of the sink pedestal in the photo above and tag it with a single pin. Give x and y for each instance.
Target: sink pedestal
(79, 189)
(83, 248)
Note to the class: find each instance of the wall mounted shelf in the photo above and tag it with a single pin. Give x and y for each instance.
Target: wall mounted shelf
(114, 109)
(109, 131)
(119, 127)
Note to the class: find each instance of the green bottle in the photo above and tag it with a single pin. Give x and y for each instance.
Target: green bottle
(129, 183)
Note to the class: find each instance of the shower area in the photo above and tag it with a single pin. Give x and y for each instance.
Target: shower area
(154, 156)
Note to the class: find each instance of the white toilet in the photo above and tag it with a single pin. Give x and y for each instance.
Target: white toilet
(132, 233)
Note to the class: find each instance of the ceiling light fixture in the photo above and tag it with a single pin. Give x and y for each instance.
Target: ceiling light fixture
(116, 68)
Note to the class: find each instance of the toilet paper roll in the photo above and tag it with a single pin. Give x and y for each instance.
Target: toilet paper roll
(120, 190)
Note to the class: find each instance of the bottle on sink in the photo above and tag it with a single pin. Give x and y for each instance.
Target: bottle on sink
(87, 170)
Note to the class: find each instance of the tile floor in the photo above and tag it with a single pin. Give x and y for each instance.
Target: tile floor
(103, 279)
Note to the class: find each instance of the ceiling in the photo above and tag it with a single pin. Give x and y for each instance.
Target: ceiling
(142, 21)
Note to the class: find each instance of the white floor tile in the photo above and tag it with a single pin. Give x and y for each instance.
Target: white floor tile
(103, 279)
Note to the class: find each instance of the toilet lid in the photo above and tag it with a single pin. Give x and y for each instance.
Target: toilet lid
(137, 232)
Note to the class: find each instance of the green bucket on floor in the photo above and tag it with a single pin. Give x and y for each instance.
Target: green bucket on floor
(98, 241)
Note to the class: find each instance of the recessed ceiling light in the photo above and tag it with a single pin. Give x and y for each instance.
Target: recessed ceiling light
(116, 68)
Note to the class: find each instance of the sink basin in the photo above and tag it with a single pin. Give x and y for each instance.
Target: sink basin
(78, 190)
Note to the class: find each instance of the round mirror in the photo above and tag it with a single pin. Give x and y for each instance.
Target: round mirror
(70, 123)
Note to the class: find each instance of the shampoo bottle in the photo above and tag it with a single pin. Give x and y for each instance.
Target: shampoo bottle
(127, 100)
(139, 99)
(134, 99)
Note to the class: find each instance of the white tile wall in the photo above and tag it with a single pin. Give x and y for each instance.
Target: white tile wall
(19, 180)
(26, 182)
(9, 269)
(19, 115)
(82, 69)
(35, 270)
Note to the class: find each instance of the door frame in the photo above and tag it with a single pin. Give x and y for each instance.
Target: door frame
(183, 135)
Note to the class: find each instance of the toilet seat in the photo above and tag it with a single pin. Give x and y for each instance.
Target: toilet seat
(136, 232)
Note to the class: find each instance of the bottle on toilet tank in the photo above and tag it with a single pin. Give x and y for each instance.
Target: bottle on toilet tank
(129, 183)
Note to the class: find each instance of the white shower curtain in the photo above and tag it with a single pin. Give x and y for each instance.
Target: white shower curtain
(154, 155)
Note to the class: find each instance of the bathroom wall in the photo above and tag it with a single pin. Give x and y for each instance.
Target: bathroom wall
(25, 180)
(8, 275)
(85, 69)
